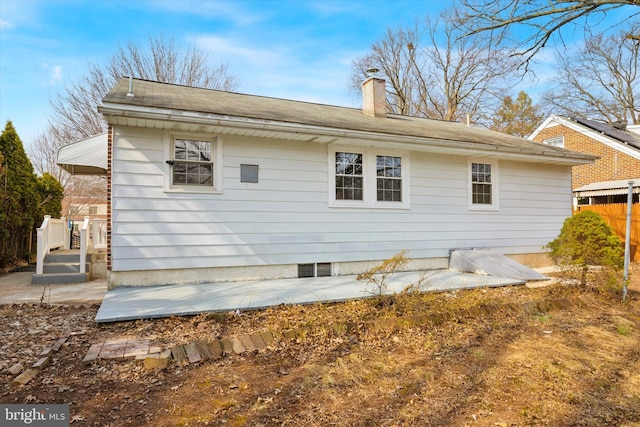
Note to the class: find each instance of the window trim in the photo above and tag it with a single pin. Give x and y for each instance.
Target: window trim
(555, 141)
(495, 180)
(369, 185)
(168, 157)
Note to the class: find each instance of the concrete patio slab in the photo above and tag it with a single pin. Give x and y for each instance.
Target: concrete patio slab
(131, 303)
(16, 288)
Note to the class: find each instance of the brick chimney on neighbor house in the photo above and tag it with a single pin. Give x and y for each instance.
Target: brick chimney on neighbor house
(374, 102)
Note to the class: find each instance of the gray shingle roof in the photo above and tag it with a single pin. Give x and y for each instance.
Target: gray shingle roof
(198, 100)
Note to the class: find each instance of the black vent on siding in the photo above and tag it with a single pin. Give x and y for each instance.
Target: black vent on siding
(321, 269)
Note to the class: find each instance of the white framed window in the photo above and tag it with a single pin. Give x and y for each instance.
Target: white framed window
(349, 176)
(388, 178)
(193, 162)
(556, 141)
(483, 184)
(368, 178)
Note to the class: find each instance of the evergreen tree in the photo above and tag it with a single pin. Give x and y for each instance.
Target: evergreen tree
(18, 198)
(519, 117)
(50, 193)
(587, 240)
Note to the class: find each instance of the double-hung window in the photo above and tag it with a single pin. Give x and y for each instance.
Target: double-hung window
(193, 163)
(483, 185)
(368, 178)
(389, 178)
(349, 176)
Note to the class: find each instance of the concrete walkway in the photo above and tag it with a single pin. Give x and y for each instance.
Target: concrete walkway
(129, 303)
(16, 288)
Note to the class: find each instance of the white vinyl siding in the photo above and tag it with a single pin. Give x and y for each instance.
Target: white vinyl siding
(285, 219)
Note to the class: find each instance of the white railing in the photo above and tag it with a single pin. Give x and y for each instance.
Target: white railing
(55, 234)
(84, 244)
(52, 234)
(98, 233)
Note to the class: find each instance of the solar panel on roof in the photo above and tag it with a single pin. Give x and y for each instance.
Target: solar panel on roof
(609, 130)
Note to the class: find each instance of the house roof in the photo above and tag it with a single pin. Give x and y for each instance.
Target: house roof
(611, 131)
(624, 141)
(177, 107)
(608, 188)
(85, 157)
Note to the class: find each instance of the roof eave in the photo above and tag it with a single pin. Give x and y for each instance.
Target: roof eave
(117, 114)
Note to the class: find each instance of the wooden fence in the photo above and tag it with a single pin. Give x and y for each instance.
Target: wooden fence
(616, 216)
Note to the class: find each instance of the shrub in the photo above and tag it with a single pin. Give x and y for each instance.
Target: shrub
(376, 276)
(586, 240)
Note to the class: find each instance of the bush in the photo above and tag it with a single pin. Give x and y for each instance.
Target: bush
(376, 276)
(586, 240)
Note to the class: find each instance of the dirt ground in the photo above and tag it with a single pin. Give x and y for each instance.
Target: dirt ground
(562, 355)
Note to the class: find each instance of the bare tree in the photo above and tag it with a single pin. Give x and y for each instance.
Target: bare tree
(43, 153)
(434, 72)
(600, 80)
(75, 114)
(537, 21)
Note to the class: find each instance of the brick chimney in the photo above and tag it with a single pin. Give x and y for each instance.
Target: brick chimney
(374, 97)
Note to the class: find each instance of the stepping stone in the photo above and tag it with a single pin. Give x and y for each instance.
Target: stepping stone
(56, 346)
(24, 377)
(258, 342)
(41, 363)
(156, 362)
(204, 350)
(238, 348)
(267, 337)
(93, 352)
(215, 348)
(226, 344)
(246, 342)
(192, 352)
(179, 354)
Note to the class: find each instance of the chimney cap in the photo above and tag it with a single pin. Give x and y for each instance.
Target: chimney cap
(372, 72)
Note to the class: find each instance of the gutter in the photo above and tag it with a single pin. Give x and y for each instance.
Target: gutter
(414, 143)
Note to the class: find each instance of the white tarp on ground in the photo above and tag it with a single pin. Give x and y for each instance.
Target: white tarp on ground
(487, 261)
(85, 157)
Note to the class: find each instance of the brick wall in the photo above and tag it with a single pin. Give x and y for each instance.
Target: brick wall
(612, 164)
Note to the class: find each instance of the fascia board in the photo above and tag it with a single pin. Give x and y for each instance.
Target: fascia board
(350, 137)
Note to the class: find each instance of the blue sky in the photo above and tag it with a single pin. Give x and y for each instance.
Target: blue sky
(299, 50)
(288, 49)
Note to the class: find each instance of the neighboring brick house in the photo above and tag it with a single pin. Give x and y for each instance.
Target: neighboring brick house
(602, 186)
(616, 145)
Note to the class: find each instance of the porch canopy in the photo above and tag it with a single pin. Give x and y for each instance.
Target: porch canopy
(85, 157)
(607, 188)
